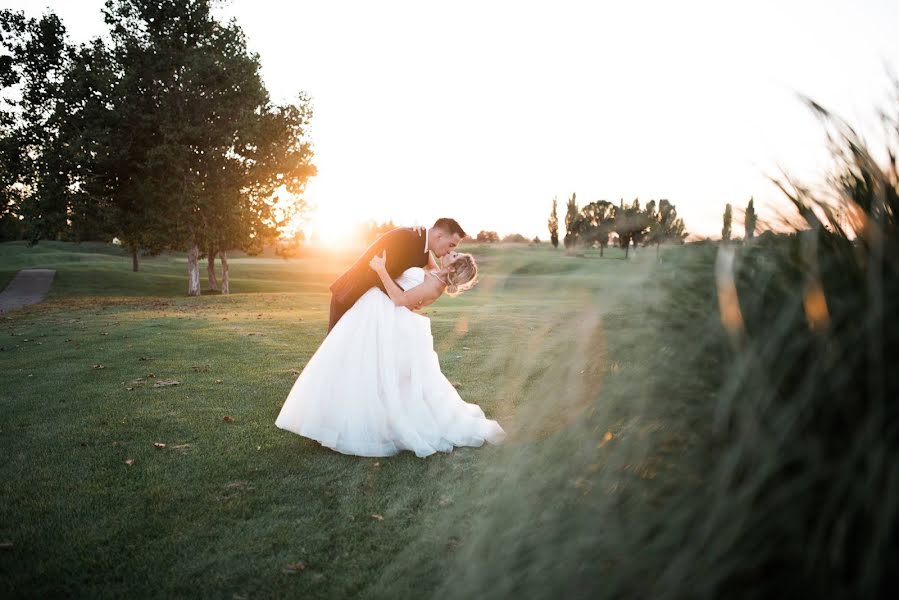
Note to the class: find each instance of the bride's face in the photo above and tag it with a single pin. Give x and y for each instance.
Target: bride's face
(449, 258)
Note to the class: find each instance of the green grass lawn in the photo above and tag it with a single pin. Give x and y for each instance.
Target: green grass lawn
(566, 352)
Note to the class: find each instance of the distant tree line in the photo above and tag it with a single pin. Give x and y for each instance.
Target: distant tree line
(371, 231)
(492, 237)
(160, 133)
(595, 224)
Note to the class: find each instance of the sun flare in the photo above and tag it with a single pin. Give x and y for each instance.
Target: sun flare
(330, 228)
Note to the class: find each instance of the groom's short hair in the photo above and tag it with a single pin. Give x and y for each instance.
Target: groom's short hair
(450, 226)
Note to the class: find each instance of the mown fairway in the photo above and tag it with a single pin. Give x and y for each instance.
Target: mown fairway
(565, 352)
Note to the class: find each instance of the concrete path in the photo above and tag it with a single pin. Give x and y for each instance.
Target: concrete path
(29, 286)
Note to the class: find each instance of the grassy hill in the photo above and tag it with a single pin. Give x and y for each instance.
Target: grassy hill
(228, 506)
(645, 455)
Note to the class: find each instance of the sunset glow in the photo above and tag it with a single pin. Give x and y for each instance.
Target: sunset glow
(486, 111)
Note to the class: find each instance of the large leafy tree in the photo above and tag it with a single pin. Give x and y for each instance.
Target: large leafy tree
(631, 225)
(665, 225)
(34, 185)
(597, 221)
(180, 141)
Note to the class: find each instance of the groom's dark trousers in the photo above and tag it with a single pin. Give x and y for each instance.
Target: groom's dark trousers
(405, 249)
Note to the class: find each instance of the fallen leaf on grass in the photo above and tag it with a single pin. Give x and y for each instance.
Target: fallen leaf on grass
(145, 358)
(158, 445)
(293, 371)
(165, 382)
(606, 439)
(457, 385)
(295, 567)
(453, 543)
(97, 366)
(201, 368)
(218, 380)
(129, 462)
(181, 447)
(256, 333)
(377, 517)
(228, 419)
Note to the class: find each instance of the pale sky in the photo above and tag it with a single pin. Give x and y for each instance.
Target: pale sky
(486, 110)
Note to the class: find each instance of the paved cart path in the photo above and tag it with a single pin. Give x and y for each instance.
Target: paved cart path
(29, 286)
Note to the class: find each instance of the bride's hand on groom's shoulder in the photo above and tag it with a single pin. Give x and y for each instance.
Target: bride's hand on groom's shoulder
(378, 262)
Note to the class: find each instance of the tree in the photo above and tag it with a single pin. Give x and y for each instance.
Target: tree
(725, 230)
(631, 225)
(488, 237)
(554, 225)
(665, 226)
(597, 223)
(290, 247)
(35, 189)
(371, 230)
(749, 221)
(206, 151)
(572, 222)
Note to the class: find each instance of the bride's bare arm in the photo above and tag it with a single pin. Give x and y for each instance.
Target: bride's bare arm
(412, 298)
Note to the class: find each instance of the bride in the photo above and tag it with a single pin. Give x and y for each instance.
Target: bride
(374, 386)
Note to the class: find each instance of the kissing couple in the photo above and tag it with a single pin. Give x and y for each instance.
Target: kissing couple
(374, 386)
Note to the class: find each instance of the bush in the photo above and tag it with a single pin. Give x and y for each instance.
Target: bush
(515, 238)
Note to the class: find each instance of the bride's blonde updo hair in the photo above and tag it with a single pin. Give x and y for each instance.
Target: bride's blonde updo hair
(463, 276)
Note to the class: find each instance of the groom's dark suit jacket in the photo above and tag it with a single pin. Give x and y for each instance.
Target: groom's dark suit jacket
(405, 248)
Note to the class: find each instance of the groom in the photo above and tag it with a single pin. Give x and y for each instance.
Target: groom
(406, 247)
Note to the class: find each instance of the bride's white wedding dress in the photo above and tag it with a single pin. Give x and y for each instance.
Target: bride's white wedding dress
(374, 387)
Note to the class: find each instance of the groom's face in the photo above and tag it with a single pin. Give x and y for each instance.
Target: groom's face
(445, 242)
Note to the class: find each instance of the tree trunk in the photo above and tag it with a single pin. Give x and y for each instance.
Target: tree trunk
(193, 271)
(225, 280)
(602, 247)
(627, 249)
(134, 259)
(210, 269)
